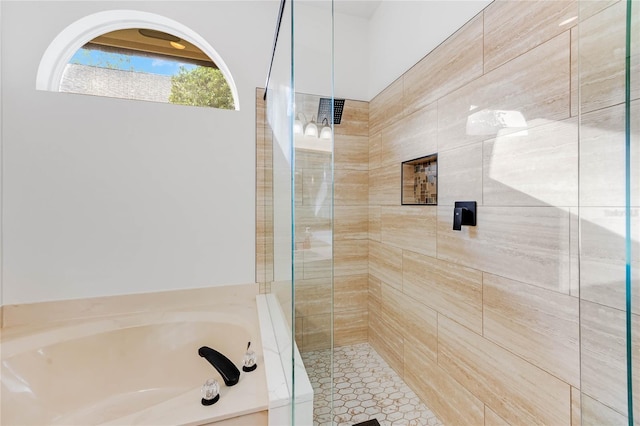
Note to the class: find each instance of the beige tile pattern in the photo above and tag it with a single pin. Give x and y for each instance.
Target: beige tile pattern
(316, 332)
(510, 342)
(430, 382)
(419, 327)
(602, 256)
(351, 187)
(576, 410)
(510, 385)
(387, 342)
(492, 419)
(603, 354)
(313, 297)
(384, 185)
(386, 108)
(375, 297)
(298, 330)
(325, 246)
(375, 151)
(528, 244)
(606, 127)
(412, 137)
(355, 119)
(549, 152)
(351, 152)
(450, 289)
(482, 323)
(594, 413)
(310, 226)
(385, 263)
(603, 318)
(575, 80)
(534, 22)
(392, 308)
(350, 327)
(574, 251)
(350, 257)
(392, 142)
(313, 263)
(350, 223)
(460, 175)
(528, 254)
(539, 325)
(539, 90)
(353, 292)
(452, 64)
(375, 224)
(264, 183)
(602, 48)
(340, 250)
(412, 320)
(589, 8)
(410, 228)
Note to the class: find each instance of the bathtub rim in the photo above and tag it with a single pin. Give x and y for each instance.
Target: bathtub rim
(277, 350)
(28, 340)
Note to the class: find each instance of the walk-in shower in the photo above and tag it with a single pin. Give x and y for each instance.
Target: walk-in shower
(531, 316)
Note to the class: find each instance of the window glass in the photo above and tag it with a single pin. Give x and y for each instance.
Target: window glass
(147, 65)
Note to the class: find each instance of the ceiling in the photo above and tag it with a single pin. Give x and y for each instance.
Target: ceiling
(158, 43)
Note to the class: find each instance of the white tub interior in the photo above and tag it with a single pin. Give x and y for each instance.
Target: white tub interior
(139, 369)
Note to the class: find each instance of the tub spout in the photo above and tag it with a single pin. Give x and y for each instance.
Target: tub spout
(229, 372)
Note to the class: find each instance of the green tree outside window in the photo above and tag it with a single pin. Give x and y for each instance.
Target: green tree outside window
(201, 86)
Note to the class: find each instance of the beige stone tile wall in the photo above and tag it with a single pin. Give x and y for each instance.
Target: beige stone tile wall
(316, 298)
(498, 336)
(519, 320)
(601, 48)
(347, 299)
(264, 201)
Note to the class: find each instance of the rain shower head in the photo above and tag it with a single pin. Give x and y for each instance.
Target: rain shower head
(324, 110)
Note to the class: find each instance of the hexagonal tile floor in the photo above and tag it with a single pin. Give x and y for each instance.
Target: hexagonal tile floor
(365, 387)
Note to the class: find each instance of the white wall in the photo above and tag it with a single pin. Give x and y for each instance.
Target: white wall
(106, 196)
(312, 41)
(403, 32)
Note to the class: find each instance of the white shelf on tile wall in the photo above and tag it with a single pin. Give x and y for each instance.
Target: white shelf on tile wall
(277, 350)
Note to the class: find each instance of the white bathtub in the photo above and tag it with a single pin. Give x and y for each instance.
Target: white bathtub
(132, 369)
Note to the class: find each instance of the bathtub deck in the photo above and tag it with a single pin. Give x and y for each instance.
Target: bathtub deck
(364, 387)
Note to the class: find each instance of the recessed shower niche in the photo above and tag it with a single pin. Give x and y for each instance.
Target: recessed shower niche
(420, 181)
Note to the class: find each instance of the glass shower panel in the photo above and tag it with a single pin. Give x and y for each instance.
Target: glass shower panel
(279, 112)
(314, 197)
(632, 158)
(274, 177)
(607, 217)
(295, 192)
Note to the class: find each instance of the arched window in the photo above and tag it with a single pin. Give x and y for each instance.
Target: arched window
(137, 55)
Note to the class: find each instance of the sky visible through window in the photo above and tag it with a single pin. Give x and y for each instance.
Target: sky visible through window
(119, 61)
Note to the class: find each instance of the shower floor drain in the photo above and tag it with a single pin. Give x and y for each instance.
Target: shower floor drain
(372, 422)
